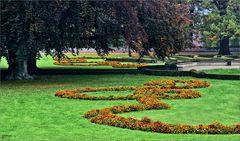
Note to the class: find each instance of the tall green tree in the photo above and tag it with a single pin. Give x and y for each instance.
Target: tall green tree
(218, 22)
(53, 27)
(17, 35)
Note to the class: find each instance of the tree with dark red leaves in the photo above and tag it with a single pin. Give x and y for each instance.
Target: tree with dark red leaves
(28, 27)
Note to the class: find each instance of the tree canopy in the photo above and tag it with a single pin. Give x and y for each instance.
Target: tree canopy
(219, 20)
(57, 26)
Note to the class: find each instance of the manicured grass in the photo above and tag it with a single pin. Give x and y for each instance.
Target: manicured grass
(46, 62)
(3, 63)
(29, 110)
(223, 71)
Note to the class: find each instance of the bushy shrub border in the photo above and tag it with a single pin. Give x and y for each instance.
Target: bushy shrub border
(149, 97)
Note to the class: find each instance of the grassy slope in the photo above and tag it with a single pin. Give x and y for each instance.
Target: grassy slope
(29, 111)
(223, 71)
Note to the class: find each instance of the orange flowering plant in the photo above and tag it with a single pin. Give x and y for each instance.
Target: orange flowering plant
(78, 61)
(149, 97)
(114, 64)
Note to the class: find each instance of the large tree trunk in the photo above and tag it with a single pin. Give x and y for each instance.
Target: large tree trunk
(17, 68)
(129, 52)
(224, 46)
(32, 64)
(224, 42)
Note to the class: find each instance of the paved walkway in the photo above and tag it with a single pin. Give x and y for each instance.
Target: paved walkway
(209, 67)
(187, 66)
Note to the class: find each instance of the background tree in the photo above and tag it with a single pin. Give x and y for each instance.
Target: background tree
(160, 26)
(167, 26)
(219, 21)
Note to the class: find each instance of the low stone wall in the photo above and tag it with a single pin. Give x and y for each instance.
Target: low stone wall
(187, 66)
(163, 71)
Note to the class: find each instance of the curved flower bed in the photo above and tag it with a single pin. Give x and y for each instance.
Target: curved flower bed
(77, 62)
(149, 97)
(84, 57)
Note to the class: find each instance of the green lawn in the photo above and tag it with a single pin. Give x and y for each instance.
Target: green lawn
(223, 71)
(46, 62)
(3, 63)
(29, 110)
